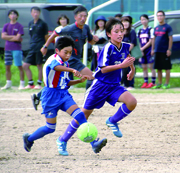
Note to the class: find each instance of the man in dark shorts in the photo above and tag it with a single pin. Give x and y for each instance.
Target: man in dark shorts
(162, 48)
(38, 31)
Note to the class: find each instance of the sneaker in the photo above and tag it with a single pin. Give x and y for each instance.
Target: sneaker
(7, 86)
(150, 85)
(21, 87)
(145, 84)
(166, 86)
(38, 87)
(98, 145)
(29, 87)
(62, 147)
(27, 144)
(157, 86)
(114, 127)
(35, 101)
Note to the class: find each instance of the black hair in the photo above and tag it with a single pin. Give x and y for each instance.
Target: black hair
(111, 22)
(64, 41)
(80, 9)
(145, 16)
(62, 15)
(118, 15)
(35, 8)
(10, 11)
(161, 11)
(126, 18)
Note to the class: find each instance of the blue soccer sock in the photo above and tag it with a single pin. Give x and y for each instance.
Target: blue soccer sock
(79, 116)
(122, 112)
(71, 129)
(146, 79)
(153, 80)
(42, 131)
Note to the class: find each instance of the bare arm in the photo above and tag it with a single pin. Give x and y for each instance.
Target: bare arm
(146, 45)
(152, 46)
(12, 38)
(169, 51)
(131, 46)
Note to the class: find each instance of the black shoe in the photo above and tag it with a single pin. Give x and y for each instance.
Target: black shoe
(27, 144)
(35, 101)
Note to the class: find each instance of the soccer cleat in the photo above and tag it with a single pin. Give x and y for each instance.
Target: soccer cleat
(62, 147)
(114, 127)
(157, 86)
(150, 85)
(29, 87)
(145, 84)
(27, 144)
(7, 86)
(35, 101)
(38, 87)
(98, 145)
(166, 86)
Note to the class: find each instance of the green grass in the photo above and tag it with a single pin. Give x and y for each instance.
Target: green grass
(175, 82)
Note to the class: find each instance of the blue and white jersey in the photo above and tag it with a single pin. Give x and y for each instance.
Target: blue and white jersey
(52, 78)
(111, 55)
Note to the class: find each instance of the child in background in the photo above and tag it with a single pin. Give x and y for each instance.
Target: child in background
(55, 94)
(105, 87)
(145, 36)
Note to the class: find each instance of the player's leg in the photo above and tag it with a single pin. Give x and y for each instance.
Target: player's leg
(8, 62)
(153, 78)
(40, 132)
(129, 104)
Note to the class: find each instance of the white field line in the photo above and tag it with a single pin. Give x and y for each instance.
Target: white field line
(140, 103)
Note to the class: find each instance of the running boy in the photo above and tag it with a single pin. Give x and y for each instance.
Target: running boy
(105, 87)
(55, 95)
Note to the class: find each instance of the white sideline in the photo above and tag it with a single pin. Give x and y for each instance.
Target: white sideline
(172, 75)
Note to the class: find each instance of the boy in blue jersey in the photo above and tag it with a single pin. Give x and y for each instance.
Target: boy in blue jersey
(55, 95)
(106, 85)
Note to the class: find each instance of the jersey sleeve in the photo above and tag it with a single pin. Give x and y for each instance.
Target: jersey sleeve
(54, 63)
(5, 28)
(45, 28)
(151, 33)
(21, 30)
(104, 56)
(170, 31)
(133, 39)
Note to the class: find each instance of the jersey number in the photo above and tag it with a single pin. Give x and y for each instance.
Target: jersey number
(143, 40)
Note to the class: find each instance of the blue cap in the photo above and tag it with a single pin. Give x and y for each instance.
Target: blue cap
(100, 18)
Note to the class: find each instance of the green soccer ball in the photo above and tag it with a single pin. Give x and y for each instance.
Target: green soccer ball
(87, 132)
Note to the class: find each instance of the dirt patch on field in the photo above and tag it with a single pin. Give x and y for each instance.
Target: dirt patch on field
(150, 142)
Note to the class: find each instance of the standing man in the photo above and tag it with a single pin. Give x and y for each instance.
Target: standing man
(162, 48)
(80, 33)
(38, 31)
(12, 33)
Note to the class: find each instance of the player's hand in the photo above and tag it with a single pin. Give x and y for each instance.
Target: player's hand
(130, 75)
(128, 61)
(43, 51)
(168, 53)
(77, 73)
(95, 38)
(85, 77)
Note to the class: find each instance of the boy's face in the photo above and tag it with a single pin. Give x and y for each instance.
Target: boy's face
(117, 34)
(81, 18)
(35, 14)
(64, 53)
(160, 17)
(13, 16)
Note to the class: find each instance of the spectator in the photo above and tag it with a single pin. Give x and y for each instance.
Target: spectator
(145, 36)
(162, 48)
(129, 37)
(38, 31)
(12, 33)
(62, 21)
(118, 16)
(101, 33)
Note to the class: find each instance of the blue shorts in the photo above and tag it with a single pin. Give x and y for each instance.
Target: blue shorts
(100, 92)
(10, 55)
(76, 63)
(53, 100)
(147, 59)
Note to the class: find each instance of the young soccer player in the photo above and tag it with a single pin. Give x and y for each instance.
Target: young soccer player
(106, 85)
(145, 36)
(55, 94)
